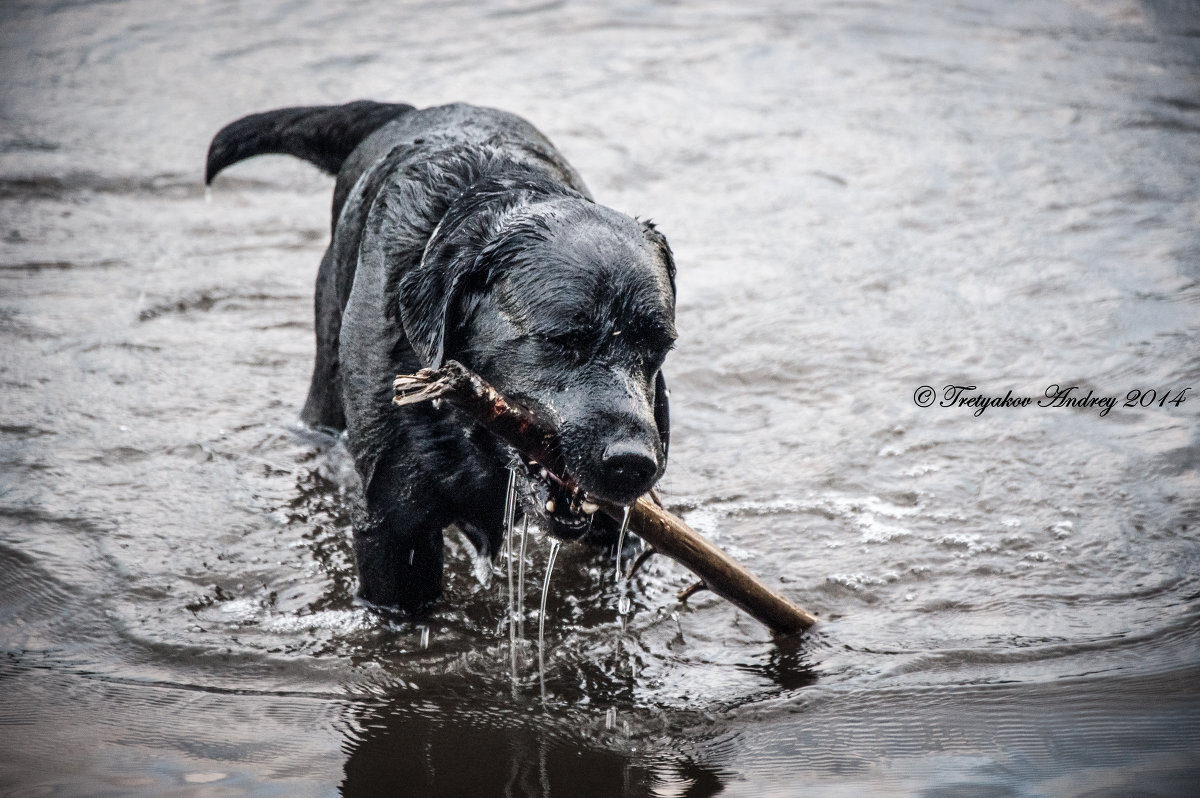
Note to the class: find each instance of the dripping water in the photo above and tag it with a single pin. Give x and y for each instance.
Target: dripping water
(521, 582)
(621, 540)
(621, 580)
(554, 546)
(510, 497)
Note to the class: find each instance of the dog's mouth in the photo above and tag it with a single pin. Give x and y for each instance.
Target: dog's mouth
(567, 511)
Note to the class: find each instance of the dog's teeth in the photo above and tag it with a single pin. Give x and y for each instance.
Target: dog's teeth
(550, 506)
(589, 507)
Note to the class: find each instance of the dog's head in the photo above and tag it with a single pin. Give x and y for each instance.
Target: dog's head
(568, 308)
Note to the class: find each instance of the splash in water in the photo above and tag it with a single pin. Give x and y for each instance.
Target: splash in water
(554, 546)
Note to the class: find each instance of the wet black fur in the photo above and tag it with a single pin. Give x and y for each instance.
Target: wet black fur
(460, 232)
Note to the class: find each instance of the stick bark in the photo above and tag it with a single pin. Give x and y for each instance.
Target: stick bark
(668, 534)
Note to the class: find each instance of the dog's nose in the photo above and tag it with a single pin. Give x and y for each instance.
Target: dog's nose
(629, 468)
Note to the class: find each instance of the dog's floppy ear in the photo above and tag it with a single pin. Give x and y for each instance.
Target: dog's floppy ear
(662, 412)
(454, 264)
(659, 241)
(426, 294)
(434, 288)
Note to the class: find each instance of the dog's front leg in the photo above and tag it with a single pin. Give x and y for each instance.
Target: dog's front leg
(397, 542)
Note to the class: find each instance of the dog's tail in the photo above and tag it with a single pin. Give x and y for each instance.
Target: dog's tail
(323, 135)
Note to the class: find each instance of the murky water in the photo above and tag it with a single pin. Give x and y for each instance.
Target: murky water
(863, 198)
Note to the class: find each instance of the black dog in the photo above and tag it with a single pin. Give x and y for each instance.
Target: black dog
(460, 232)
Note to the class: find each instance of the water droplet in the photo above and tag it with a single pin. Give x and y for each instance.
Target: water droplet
(424, 637)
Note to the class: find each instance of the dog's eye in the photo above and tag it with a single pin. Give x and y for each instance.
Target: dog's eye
(657, 340)
(576, 344)
(652, 346)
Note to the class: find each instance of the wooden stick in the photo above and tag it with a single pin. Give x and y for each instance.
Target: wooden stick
(669, 535)
(719, 572)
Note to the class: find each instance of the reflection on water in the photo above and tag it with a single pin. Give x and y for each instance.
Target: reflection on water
(504, 750)
(863, 198)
